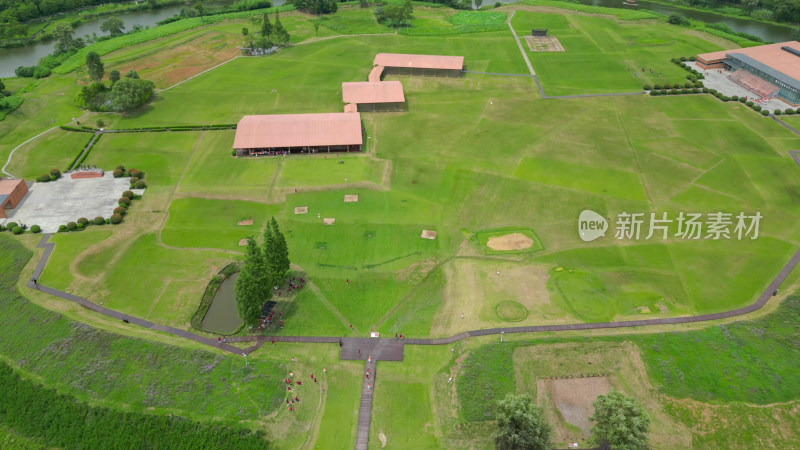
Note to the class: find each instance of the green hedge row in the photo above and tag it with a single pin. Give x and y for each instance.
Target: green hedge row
(208, 295)
(105, 47)
(58, 420)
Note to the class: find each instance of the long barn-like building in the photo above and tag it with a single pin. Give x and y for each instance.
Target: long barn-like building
(374, 95)
(298, 133)
(426, 65)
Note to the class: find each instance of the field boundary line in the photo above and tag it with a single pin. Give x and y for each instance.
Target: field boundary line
(10, 155)
(197, 74)
(327, 38)
(785, 125)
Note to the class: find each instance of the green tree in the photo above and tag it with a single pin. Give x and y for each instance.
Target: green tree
(2, 87)
(132, 74)
(63, 34)
(281, 35)
(266, 27)
(130, 93)
(113, 26)
(395, 14)
(201, 10)
(620, 423)
(95, 66)
(521, 425)
(278, 252)
(317, 23)
(245, 31)
(114, 76)
(363, 3)
(252, 287)
(478, 4)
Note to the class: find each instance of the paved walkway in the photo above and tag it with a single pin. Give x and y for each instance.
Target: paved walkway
(365, 408)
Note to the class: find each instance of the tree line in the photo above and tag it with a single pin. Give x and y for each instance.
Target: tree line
(267, 35)
(620, 423)
(265, 267)
(62, 421)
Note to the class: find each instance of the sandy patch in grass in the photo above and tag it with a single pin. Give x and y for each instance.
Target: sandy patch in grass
(301, 210)
(242, 242)
(513, 241)
(245, 222)
(382, 438)
(350, 198)
(573, 397)
(328, 221)
(428, 234)
(543, 44)
(566, 378)
(474, 288)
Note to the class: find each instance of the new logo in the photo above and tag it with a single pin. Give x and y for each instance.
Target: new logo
(591, 225)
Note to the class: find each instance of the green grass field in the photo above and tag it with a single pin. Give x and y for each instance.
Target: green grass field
(473, 158)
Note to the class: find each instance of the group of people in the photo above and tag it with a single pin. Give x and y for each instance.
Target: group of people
(295, 284)
(294, 398)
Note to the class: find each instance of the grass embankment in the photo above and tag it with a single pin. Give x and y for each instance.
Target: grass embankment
(99, 367)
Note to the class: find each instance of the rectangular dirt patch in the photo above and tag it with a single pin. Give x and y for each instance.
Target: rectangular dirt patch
(328, 221)
(242, 242)
(245, 222)
(573, 398)
(301, 210)
(428, 234)
(544, 44)
(350, 198)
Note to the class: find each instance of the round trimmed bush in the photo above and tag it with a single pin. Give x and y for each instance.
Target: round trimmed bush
(657, 86)
(124, 202)
(118, 173)
(749, 103)
(36, 229)
(735, 97)
(683, 58)
(777, 112)
(11, 225)
(71, 226)
(233, 152)
(55, 173)
(757, 107)
(646, 87)
(134, 180)
(99, 220)
(135, 173)
(83, 220)
(17, 230)
(667, 86)
(120, 210)
(43, 178)
(789, 111)
(674, 92)
(80, 226)
(695, 90)
(120, 167)
(693, 58)
(764, 112)
(713, 91)
(127, 194)
(140, 184)
(62, 228)
(742, 99)
(655, 93)
(698, 85)
(115, 219)
(685, 91)
(688, 85)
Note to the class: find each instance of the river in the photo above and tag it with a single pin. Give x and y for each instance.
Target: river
(12, 58)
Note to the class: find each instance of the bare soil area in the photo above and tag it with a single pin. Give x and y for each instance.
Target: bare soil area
(573, 397)
(543, 44)
(513, 241)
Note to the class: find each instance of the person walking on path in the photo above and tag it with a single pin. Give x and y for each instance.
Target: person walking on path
(351, 326)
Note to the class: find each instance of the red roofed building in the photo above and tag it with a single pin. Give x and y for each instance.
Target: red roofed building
(771, 70)
(298, 133)
(375, 96)
(11, 193)
(432, 65)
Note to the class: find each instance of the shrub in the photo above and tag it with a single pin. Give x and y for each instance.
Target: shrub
(120, 167)
(17, 230)
(646, 87)
(11, 225)
(128, 194)
(43, 178)
(698, 84)
(79, 226)
(693, 58)
(55, 173)
(99, 220)
(134, 180)
(124, 202)
(713, 91)
(120, 210)
(83, 220)
(657, 86)
(725, 98)
(118, 173)
(115, 219)
(141, 184)
(36, 229)
(683, 58)
(695, 90)
(233, 152)
(750, 104)
(71, 226)
(2, 228)
(135, 173)
(687, 85)
(789, 111)
(735, 97)
(655, 93)
(62, 228)
(667, 86)
(765, 113)
(777, 112)
(757, 107)
(742, 100)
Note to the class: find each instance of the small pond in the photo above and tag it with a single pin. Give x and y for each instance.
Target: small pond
(221, 316)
